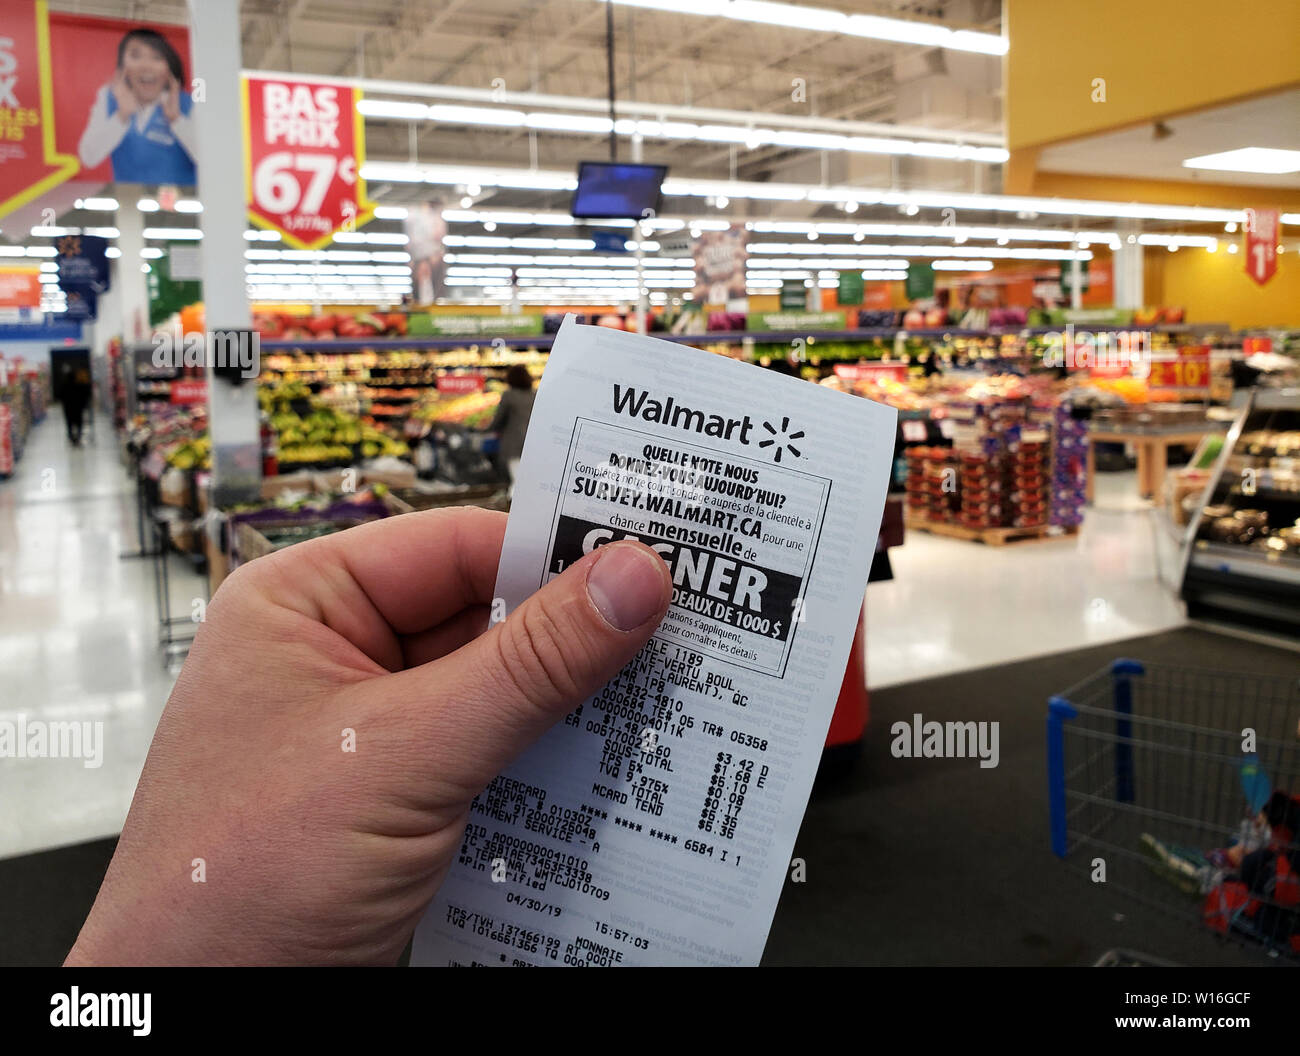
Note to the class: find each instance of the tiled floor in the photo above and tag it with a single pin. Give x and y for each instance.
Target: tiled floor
(78, 629)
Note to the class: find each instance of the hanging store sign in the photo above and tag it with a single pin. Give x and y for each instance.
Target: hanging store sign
(305, 147)
(1261, 244)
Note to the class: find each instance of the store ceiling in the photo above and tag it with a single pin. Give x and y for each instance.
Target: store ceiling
(1146, 152)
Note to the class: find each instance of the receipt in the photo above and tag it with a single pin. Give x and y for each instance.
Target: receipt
(654, 824)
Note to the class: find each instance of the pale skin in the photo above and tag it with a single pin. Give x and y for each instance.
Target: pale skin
(314, 855)
(144, 78)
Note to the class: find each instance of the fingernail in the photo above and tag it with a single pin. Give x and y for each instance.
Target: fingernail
(626, 585)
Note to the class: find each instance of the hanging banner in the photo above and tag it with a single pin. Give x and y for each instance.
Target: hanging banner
(82, 262)
(20, 288)
(425, 233)
(120, 108)
(1261, 244)
(30, 162)
(304, 149)
(720, 259)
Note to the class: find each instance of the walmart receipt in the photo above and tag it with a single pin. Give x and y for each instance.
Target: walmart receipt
(654, 825)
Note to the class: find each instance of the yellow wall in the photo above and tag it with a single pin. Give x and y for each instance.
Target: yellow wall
(1158, 57)
(1215, 288)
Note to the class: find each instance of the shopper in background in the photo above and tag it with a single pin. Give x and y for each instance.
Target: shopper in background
(310, 778)
(511, 419)
(75, 397)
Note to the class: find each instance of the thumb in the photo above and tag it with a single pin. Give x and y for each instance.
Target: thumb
(500, 692)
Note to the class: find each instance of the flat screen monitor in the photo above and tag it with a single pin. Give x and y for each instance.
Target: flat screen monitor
(616, 191)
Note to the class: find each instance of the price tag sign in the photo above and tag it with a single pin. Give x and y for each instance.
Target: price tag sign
(1261, 244)
(455, 384)
(914, 431)
(305, 148)
(189, 392)
(868, 371)
(1251, 345)
(1190, 370)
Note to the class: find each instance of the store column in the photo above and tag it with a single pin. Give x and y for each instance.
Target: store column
(129, 280)
(1128, 263)
(232, 397)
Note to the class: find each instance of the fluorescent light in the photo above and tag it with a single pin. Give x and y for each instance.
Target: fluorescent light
(101, 205)
(1178, 241)
(113, 252)
(825, 20)
(962, 265)
(151, 253)
(394, 108)
(54, 232)
(147, 205)
(101, 232)
(37, 251)
(1268, 160)
(390, 212)
(192, 233)
(188, 205)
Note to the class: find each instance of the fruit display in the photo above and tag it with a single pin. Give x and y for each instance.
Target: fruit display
(284, 326)
(472, 410)
(887, 390)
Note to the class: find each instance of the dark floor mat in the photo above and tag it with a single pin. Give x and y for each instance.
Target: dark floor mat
(907, 861)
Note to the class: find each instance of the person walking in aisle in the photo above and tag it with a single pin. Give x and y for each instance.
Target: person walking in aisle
(75, 398)
(511, 419)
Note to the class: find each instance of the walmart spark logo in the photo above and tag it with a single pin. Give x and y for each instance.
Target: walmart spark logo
(781, 440)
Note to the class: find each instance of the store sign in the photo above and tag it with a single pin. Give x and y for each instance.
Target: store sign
(610, 242)
(1189, 370)
(850, 288)
(919, 284)
(305, 147)
(794, 295)
(460, 384)
(189, 391)
(1251, 346)
(868, 371)
(20, 288)
(30, 163)
(720, 262)
(429, 325)
(82, 261)
(809, 322)
(1261, 244)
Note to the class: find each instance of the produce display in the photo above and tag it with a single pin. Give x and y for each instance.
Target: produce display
(472, 410)
(285, 326)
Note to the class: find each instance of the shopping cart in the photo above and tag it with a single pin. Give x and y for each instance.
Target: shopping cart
(1153, 768)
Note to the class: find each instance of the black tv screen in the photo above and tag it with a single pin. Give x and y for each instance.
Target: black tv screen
(616, 191)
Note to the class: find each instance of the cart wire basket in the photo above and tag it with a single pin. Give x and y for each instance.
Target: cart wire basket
(1181, 788)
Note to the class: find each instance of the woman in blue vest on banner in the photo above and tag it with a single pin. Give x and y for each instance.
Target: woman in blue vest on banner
(142, 118)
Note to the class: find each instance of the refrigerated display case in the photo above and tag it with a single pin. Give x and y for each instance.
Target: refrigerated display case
(1242, 558)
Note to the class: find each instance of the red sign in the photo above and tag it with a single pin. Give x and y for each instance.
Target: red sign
(456, 384)
(1251, 345)
(1261, 244)
(20, 288)
(305, 148)
(870, 371)
(189, 391)
(1190, 370)
(30, 164)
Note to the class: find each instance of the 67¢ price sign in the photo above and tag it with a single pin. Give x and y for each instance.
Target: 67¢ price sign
(305, 148)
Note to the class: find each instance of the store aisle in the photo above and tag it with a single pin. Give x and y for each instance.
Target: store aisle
(955, 605)
(77, 636)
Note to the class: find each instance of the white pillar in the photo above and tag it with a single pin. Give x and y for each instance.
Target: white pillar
(128, 281)
(234, 420)
(1128, 263)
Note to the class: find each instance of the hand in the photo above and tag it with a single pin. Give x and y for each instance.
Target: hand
(313, 854)
(171, 101)
(127, 104)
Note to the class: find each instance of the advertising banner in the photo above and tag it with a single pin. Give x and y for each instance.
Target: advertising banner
(720, 258)
(95, 99)
(20, 288)
(305, 146)
(1261, 244)
(425, 231)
